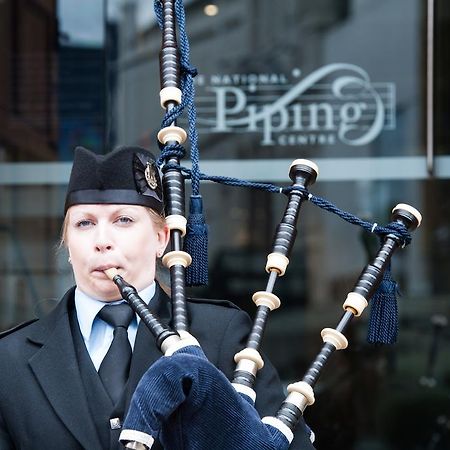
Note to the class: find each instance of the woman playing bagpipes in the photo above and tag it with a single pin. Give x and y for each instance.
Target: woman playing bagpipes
(93, 371)
(58, 388)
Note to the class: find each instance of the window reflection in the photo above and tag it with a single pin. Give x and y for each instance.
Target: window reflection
(86, 73)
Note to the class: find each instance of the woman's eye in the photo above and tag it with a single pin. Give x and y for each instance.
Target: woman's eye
(83, 223)
(124, 220)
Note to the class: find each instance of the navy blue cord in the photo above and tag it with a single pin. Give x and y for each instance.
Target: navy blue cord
(196, 239)
(396, 229)
(188, 72)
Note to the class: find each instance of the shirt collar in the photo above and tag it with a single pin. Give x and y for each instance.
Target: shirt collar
(87, 307)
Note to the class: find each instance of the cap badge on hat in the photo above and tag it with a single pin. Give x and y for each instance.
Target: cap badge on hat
(146, 176)
(150, 175)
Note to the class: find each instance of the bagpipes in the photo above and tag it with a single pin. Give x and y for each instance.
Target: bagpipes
(182, 398)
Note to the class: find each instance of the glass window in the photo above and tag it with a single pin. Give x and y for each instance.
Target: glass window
(358, 86)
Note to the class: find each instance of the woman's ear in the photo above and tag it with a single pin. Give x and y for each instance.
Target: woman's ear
(163, 239)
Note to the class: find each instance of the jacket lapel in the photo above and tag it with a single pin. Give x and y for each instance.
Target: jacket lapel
(56, 369)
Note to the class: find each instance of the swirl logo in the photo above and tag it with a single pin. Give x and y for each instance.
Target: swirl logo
(337, 103)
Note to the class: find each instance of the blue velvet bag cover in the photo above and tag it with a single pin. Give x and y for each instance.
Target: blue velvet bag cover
(186, 403)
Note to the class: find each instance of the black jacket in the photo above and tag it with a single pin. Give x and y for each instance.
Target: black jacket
(45, 401)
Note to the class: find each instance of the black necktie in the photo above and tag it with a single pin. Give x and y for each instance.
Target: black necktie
(115, 366)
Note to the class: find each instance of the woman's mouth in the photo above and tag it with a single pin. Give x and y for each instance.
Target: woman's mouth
(100, 270)
(106, 267)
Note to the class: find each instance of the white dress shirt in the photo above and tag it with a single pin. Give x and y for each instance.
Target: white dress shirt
(98, 334)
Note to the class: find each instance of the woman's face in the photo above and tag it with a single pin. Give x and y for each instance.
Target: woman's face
(125, 237)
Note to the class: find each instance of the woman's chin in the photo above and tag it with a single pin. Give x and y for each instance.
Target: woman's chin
(105, 291)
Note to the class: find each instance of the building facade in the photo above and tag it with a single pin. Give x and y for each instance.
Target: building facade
(358, 86)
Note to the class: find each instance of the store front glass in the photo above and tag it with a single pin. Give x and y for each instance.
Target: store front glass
(358, 86)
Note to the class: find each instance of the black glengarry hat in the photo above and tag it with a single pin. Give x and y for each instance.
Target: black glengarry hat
(127, 175)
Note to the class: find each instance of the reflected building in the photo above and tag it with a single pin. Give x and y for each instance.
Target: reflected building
(28, 77)
(340, 82)
(28, 132)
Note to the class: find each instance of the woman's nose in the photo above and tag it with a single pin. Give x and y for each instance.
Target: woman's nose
(103, 241)
(101, 247)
